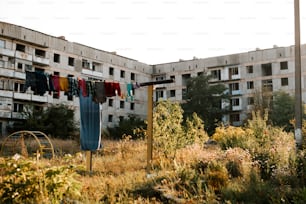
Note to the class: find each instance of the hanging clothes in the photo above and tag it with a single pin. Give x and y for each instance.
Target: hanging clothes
(63, 84)
(56, 83)
(30, 81)
(72, 87)
(89, 87)
(116, 87)
(99, 92)
(50, 84)
(109, 89)
(82, 87)
(41, 84)
(90, 124)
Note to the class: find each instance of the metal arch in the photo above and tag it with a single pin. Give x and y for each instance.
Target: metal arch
(34, 134)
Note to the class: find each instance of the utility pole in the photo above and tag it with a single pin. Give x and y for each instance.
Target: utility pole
(298, 76)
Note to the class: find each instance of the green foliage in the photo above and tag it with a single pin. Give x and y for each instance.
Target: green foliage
(168, 131)
(55, 120)
(282, 112)
(24, 181)
(205, 100)
(132, 126)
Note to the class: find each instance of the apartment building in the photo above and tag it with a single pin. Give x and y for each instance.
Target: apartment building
(22, 49)
(244, 74)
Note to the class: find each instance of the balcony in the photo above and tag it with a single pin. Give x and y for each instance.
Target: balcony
(6, 52)
(17, 115)
(19, 75)
(31, 97)
(24, 56)
(92, 73)
(7, 72)
(5, 114)
(236, 108)
(40, 60)
(4, 93)
(236, 92)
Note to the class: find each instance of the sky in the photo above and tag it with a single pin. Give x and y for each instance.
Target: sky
(161, 31)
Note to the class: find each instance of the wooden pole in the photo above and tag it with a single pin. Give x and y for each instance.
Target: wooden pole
(150, 128)
(89, 161)
(298, 71)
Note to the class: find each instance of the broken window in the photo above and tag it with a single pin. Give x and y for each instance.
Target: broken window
(70, 61)
(122, 73)
(40, 53)
(56, 58)
(20, 47)
(266, 69)
(249, 69)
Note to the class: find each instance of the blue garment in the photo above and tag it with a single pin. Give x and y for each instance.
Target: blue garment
(90, 124)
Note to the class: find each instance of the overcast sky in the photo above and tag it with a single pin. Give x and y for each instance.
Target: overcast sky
(159, 31)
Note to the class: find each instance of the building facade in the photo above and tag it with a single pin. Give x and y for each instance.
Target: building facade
(244, 74)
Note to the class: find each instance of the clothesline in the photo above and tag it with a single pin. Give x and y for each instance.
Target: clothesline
(41, 83)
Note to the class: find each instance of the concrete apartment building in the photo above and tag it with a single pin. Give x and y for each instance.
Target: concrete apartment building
(23, 49)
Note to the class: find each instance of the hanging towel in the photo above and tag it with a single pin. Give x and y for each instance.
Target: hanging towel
(82, 86)
(51, 85)
(99, 92)
(73, 87)
(116, 87)
(109, 89)
(63, 83)
(90, 124)
(56, 84)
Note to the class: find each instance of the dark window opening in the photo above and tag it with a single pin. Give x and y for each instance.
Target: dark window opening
(19, 66)
(111, 71)
(110, 118)
(121, 104)
(266, 69)
(284, 81)
(132, 76)
(284, 65)
(122, 74)
(85, 64)
(110, 102)
(70, 61)
(40, 53)
(250, 85)
(132, 106)
(56, 58)
(250, 100)
(20, 47)
(249, 69)
(172, 93)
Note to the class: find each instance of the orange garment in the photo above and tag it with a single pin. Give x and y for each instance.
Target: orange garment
(63, 81)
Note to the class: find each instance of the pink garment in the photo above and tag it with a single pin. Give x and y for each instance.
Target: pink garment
(82, 86)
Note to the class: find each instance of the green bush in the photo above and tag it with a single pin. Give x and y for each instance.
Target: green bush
(25, 181)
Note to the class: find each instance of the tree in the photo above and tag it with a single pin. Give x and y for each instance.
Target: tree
(55, 120)
(205, 100)
(283, 107)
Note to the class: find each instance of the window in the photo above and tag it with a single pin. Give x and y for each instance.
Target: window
(159, 93)
(235, 102)
(200, 73)
(121, 104)
(267, 85)
(266, 69)
(111, 71)
(40, 53)
(249, 69)
(18, 87)
(172, 93)
(216, 74)
(235, 117)
(234, 86)
(284, 81)
(96, 66)
(85, 64)
(110, 118)
(284, 65)
(184, 94)
(132, 76)
(56, 58)
(18, 107)
(2, 45)
(110, 102)
(233, 71)
(250, 85)
(28, 67)
(19, 66)
(20, 47)
(250, 100)
(121, 118)
(172, 77)
(132, 106)
(70, 61)
(122, 73)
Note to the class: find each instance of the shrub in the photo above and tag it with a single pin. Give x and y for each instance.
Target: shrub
(216, 176)
(24, 181)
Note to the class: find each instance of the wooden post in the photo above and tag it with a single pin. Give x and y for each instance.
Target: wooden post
(89, 161)
(150, 128)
